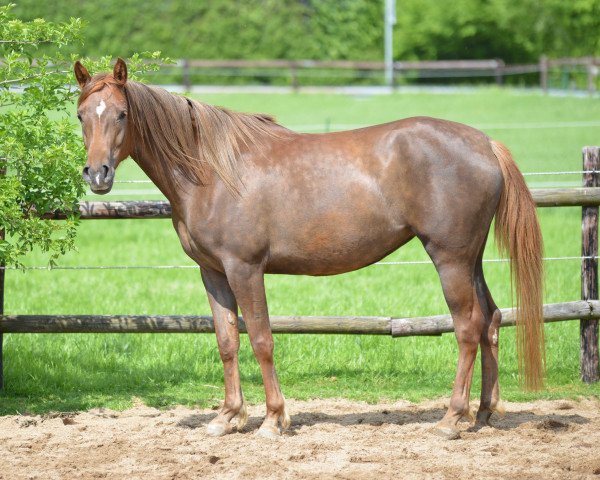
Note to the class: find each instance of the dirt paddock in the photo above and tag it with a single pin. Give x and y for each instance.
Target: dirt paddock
(328, 439)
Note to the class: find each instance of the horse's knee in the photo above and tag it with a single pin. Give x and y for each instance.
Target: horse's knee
(228, 356)
(228, 349)
(263, 347)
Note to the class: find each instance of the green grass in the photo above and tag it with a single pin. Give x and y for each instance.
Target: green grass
(72, 372)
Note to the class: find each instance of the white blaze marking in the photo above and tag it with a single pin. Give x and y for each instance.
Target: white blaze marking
(495, 338)
(100, 108)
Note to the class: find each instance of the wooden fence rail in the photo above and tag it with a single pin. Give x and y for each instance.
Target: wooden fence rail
(587, 309)
(130, 209)
(495, 68)
(396, 327)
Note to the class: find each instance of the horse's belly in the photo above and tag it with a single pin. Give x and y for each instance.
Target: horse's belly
(338, 222)
(336, 248)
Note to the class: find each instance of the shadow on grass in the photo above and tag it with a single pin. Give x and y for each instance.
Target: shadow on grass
(40, 384)
(35, 389)
(118, 398)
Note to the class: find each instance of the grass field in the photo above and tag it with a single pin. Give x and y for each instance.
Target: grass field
(71, 372)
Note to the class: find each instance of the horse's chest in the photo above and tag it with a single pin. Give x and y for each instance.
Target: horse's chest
(194, 248)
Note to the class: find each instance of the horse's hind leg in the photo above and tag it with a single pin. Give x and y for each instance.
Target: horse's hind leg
(490, 389)
(224, 309)
(456, 271)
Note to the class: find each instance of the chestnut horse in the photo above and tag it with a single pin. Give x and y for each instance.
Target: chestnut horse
(251, 197)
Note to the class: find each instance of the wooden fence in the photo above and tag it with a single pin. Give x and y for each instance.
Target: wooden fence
(590, 64)
(587, 310)
(295, 69)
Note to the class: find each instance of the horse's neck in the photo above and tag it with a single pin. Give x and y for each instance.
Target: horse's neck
(172, 184)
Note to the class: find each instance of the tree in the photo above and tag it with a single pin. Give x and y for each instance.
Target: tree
(41, 152)
(516, 31)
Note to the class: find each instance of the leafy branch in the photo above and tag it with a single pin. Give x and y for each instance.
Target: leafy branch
(41, 152)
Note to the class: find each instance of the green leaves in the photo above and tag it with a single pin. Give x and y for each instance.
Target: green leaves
(343, 29)
(41, 152)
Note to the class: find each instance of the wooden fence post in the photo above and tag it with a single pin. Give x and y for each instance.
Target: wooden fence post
(294, 77)
(589, 269)
(544, 73)
(498, 71)
(592, 73)
(187, 81)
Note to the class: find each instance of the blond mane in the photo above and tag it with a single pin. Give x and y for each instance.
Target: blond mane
(187, 135)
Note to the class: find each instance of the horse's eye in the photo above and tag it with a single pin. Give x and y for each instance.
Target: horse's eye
(122, 115)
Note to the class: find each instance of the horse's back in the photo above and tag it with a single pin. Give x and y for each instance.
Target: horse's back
(404, 167)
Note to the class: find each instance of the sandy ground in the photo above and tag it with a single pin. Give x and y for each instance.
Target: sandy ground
(328, 439)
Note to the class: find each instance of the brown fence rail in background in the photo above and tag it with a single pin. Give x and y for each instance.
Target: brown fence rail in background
(294, 69)
(587, 310)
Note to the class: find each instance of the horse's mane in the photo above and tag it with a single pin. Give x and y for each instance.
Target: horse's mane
(187, 135)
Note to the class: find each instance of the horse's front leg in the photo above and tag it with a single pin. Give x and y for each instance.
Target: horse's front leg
(224, 309)
(247, 282)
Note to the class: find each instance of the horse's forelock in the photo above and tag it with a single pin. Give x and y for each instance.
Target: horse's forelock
(97, 83)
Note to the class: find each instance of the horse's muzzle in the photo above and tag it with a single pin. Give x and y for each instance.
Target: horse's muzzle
(100, 180)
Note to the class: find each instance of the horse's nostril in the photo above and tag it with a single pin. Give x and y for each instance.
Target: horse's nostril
(86, 172)
(105, 170)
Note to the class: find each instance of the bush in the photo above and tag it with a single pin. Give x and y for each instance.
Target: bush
(41, 152)
(326, 29)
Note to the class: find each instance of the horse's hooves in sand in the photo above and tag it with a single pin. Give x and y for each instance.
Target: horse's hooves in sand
(272, 433)
(448, 433)
(218, 429)
(483, 419)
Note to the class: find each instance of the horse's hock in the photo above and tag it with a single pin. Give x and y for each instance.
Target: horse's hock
(587, 310)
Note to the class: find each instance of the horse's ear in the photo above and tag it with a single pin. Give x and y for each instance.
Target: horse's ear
(81, 74)
(120, 71)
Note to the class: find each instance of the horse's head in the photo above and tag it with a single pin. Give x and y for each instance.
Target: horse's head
(102, 111)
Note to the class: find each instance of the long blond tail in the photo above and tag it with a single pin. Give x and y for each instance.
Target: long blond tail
(518, 234)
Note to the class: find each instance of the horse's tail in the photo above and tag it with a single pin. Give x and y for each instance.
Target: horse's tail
(518, 235)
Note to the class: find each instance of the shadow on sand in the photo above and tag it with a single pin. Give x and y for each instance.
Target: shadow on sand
(409, 415)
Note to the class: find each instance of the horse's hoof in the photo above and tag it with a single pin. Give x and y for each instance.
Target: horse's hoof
(218, 429)
(272, 433)
(483, 419)
(448, 433)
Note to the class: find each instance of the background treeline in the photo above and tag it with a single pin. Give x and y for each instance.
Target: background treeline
(515, 31)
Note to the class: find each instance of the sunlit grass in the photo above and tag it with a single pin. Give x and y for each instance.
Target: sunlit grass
(68, 372)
